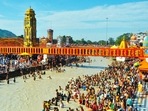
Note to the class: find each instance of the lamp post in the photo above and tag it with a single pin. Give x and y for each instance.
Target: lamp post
(106, 31)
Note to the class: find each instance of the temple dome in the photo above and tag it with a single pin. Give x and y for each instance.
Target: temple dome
(30, 11)
(133, 37)
(123, 44)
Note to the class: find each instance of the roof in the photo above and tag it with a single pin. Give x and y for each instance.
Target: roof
(113, 47)
(143, 65)
(123, 44)
(30, 11)
(133, 37)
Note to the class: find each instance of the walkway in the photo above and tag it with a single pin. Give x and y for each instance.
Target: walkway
(143, 99)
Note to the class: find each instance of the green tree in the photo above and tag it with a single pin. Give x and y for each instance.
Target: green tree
(78, 41)
(95, 42)
(111, 41)
(89, 42)
(102, 42)
(71, 40)
(21, 36)
(83, 41)
(64, 39)
(126, 36)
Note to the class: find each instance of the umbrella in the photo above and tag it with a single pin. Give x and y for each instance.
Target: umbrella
(114, 47)
(25, 54)
(136, 64)
(110, 110)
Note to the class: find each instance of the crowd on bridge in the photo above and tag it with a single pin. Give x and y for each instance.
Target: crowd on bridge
(112, 89)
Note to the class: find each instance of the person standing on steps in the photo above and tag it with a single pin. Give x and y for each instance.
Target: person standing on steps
(7, 81)
(14, 80)
(7, 78)
(34, 77)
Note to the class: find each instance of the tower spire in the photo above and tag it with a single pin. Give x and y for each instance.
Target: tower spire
(29, 28)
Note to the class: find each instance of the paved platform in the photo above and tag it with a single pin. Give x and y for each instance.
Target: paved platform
(141, 103)
(143, 106)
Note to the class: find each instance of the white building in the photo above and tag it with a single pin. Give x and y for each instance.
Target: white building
(137, 38)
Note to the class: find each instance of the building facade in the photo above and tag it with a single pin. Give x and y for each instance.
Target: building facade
(16, 41)
(50, 35)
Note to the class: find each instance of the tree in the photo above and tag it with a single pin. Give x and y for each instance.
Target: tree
(83, 41)
(95, 42)
(89, 42)
(71, 40)
(111, 41)
(64, 39)
(21, 36)
(102, 42)
(78, 42)
(126, 36)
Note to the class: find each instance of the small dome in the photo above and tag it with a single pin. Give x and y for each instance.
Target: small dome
(133, 37)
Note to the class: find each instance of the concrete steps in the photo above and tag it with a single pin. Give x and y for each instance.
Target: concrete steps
(141, 103)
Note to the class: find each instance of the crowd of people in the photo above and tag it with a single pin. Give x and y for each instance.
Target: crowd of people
(15, 62)
(11, 63)
(4, 60)
(112, 89)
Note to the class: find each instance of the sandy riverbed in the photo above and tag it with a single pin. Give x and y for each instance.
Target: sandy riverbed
(29, 95)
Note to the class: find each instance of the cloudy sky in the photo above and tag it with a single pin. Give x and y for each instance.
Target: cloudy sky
(89, 19)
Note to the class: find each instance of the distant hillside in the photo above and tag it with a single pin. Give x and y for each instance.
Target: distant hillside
(6, 33)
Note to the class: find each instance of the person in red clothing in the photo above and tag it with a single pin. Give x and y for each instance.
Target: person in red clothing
(100, 106)
(94, 106)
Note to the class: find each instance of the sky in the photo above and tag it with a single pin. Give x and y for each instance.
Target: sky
(89, 19)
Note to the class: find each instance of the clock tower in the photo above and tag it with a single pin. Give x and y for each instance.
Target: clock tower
(29, 28)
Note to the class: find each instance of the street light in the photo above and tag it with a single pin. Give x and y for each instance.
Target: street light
(106, 31)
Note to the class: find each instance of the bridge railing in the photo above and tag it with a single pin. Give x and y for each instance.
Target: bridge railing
(80, 51)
